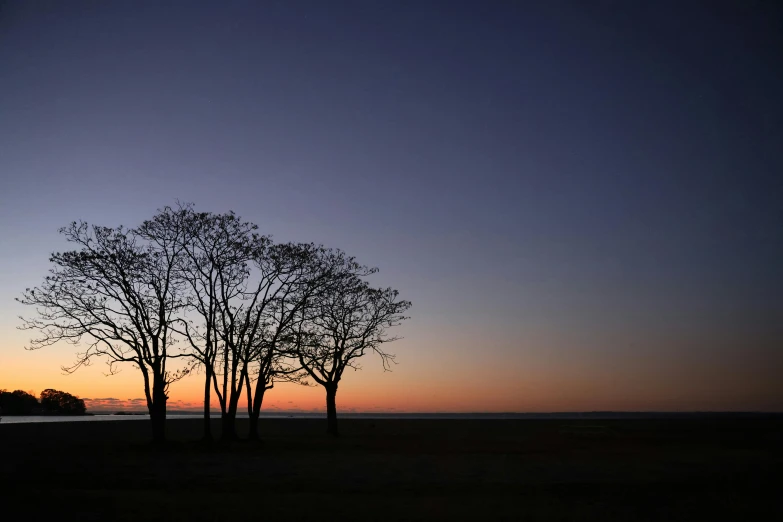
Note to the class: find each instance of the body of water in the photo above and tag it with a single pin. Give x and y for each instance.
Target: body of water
(470, 416)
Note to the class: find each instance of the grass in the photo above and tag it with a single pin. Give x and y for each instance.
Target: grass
(705, 469)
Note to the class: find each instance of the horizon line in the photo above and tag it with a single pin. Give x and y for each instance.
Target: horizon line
(572, 412)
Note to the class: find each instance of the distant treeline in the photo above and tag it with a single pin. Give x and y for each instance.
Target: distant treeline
(53, 402)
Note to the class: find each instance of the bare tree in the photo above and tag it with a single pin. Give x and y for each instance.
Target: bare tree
(117, 295)
(340, 325)
(242, 291)
(213, 269)
(218, 250)
(286, 269)
(303, 271)
(250, 312)
(234, 277)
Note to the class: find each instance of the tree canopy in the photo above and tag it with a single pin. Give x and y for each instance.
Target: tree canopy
(62, 403)
(53, 402)
(189, 290)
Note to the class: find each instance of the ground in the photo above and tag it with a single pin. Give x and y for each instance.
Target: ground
(708, 469)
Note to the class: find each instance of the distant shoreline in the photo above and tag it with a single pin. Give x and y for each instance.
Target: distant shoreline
(556, 416)
(363, 414)
(48, 414)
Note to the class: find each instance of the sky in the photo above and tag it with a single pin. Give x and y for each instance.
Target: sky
(582, 200)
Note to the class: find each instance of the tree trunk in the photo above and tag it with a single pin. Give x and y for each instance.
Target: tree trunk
(331, 409)
(228, 423)
(254, 414)
(207, 420)
(158, 418)
(158, 410)
(229, 418)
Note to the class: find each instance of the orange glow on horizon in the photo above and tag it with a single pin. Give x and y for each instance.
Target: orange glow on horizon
(379, 392)
(538, 383)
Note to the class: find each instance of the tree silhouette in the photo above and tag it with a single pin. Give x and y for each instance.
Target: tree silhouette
(18, 402)
(304, 271)
(118, 295)
(213, 269)
(55, 401)
(341, 325)
(239, 286)
(208, 290)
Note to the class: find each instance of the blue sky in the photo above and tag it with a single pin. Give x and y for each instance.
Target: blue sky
(568, 193)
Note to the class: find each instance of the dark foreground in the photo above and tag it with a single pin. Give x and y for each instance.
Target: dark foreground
(720, 469)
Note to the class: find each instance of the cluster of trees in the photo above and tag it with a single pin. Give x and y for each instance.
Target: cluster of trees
(190, 290)
(53, 402)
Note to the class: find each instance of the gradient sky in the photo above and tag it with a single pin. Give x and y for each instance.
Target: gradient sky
(583, 201)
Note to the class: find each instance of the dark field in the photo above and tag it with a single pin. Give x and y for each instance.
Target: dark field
(721, 469)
